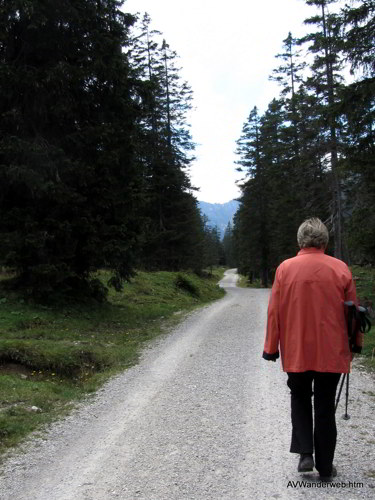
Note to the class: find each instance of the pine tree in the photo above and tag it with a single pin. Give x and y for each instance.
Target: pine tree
(70, 189)
(247, 225)
(359, 24)
(325, 80)
(228, 246)
(302, 138)
(254, 255)
(312, 152)
(173, 229)
(212, 247)
(289, 73)
(357, 104)
(248, 217)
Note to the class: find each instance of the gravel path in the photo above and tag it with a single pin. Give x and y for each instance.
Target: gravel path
(201, 417)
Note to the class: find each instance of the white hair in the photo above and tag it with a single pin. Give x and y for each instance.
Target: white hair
(312, 233)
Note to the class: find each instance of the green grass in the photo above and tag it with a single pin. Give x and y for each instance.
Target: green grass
(365, 285)
(243, 282)
(52, 356)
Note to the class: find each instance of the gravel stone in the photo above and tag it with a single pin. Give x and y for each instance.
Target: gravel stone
(201, 417)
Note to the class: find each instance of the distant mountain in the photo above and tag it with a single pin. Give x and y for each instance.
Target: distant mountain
(219, 214)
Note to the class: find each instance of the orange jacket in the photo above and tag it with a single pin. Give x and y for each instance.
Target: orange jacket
(306, 314)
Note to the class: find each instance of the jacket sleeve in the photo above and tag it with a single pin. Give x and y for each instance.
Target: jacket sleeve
(271, 344)
(350, 291)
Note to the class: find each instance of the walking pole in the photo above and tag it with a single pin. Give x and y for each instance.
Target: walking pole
(339, 394)
(346, 416)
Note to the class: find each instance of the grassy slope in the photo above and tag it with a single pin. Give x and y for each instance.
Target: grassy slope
(50, 357)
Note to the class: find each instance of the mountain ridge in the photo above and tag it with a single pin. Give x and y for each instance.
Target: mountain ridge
(219, 214)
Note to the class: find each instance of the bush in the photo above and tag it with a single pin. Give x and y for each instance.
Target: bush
(186, 285)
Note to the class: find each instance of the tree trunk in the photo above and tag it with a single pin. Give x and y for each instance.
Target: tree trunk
(336, 184)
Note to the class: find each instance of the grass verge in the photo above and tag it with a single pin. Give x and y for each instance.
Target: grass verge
(243, 282)
(51, 357)
(365, 285)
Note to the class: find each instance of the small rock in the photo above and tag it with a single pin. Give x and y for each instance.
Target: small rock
(36, 409)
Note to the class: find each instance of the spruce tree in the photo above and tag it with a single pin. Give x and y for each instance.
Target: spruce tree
(357, 103)
(254, 255)
(212, 247)
(325, 80)
(302, 138)
(228, 246)
(70, 189)
(358, 20)
(312, 152)
(173, 232)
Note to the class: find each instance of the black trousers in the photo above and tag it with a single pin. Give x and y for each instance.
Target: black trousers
(319, 434)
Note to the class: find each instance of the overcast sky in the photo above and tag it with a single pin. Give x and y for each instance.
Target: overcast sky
(227, 51)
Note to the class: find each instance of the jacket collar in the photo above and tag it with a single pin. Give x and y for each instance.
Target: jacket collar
(305, 251)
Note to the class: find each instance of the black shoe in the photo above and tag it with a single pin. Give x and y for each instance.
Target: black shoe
(306, 462)
(327, 479)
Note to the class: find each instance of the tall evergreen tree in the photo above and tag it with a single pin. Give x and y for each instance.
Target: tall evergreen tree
(302, 138)
(228, 246)
(212, 248)
(358, 19)
(286, 181)
(357, 106)
(261, 150)
(164, 147)
(251, 224)
(326, 46)
(289, 73)
(70, 190)
(314, 146)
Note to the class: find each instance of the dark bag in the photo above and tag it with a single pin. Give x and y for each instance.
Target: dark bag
(358, 325)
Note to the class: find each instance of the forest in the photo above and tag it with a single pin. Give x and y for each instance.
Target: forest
(312, 152)
(95, 149)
